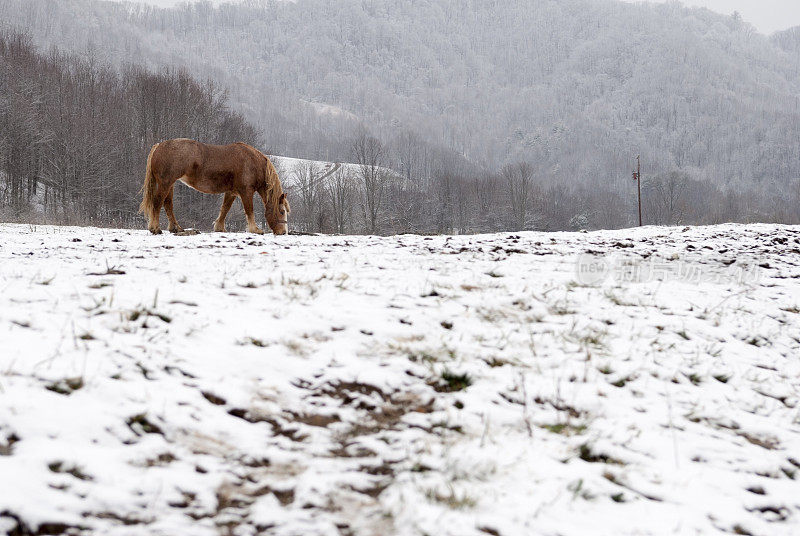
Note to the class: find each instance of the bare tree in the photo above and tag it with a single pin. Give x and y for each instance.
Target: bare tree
(311, 210)
(369, 154)
(664, 198)
(486, 193)
(518, 179)
(341, 196)
(444, 194)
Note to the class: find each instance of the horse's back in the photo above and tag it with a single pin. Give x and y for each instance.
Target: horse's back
(205, 167)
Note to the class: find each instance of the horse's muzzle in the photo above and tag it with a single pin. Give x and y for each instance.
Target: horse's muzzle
(281, 228)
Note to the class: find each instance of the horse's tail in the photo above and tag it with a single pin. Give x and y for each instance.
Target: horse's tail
(149, 189)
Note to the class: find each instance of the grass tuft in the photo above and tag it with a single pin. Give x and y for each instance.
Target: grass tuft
(66, 386)
(565, 428)
(451, 499)
(140, 424)
(452, 381)
(587, 454)
(74, 470)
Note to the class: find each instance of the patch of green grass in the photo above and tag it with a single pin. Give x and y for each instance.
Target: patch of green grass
(456, 501)
(622, 381)
(140, 312)
(605, 369)
(578, 490)
(758, 341)
(565, 428)
(495, 362)
(60, 467)
(560, 309)
(453, 381)
(426, 356)
(722, 378)
(447, 426)
(587, 454)
(695, 378)
(593, 338)
(66, 386)
(255, 342)
(140, 424)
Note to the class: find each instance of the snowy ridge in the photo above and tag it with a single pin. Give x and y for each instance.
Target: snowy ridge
(289, 169)
(232, 384)
(324, 109)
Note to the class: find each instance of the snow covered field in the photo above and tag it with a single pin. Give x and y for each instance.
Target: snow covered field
(233, 384)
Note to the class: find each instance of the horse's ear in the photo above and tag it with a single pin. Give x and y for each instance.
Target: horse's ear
(282, 198)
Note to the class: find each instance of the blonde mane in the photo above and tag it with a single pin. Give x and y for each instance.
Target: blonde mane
(273, 182)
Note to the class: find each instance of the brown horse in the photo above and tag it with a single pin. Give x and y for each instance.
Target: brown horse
(236, 170)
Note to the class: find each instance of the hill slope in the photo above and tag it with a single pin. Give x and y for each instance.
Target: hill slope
(577, 87)
(404, 385)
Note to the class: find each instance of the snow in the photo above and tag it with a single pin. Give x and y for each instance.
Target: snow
(291, 169)
(239, 384)
(322, 108)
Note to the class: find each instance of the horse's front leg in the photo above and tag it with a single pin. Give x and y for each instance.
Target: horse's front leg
(219, 223)
(247, 202)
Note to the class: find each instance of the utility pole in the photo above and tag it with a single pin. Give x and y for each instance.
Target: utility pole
(637, 176)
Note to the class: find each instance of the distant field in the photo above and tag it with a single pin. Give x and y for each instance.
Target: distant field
(639, 381)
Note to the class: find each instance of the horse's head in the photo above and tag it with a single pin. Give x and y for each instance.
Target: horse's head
(276, 210)
(278, 215)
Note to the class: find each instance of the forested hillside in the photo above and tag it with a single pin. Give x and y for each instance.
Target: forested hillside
(526, 114)
(576, 87)
(74, 134)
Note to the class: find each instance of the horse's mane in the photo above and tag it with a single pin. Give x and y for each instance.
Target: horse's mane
(273, 182)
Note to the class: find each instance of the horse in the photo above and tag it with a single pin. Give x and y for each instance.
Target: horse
(236, 170)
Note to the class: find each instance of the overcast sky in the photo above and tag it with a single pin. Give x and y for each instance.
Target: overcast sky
(767, 16)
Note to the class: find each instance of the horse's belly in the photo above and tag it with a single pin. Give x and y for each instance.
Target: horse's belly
(205, 186)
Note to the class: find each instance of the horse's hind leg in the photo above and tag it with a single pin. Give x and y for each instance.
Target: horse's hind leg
(247, 202)
(158, 202)
(219, 223)
(173, 223)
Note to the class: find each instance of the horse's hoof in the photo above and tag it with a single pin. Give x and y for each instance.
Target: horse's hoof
(157, 230)
(176, 230)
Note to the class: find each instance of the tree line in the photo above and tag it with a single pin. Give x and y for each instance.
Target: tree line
(75, 133)
(460, 199)
(573, 87)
